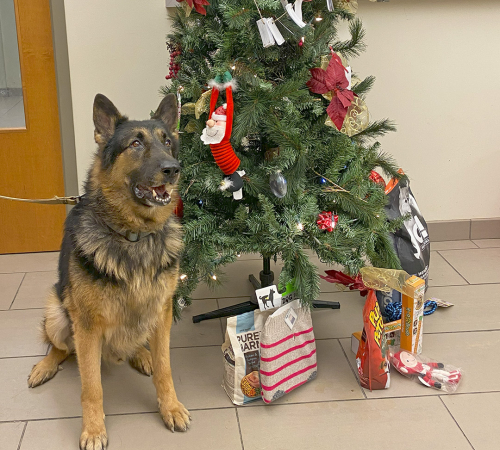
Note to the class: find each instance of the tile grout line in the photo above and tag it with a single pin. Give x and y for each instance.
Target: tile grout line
(22, 356)
(465, 279)
(257, 406)
(352, 370)
(455, 420)
(239, 429)
(17, 292)
(22, 436)
(29, 271)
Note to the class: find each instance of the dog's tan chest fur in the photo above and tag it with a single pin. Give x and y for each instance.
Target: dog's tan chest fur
(127, 314)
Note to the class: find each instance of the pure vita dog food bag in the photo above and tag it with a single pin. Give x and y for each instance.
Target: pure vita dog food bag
(241, 351)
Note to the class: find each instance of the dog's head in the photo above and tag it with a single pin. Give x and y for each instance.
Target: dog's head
(138, 159)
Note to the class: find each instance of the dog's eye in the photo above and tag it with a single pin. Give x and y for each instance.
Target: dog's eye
(168, 142)
(135, 144)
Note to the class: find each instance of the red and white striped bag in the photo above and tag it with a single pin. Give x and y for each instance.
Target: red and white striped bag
(287, 351)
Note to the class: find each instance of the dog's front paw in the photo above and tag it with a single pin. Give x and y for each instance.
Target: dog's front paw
(175, 416)
(94, 439)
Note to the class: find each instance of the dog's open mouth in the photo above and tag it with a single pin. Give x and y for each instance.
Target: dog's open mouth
(154, 195)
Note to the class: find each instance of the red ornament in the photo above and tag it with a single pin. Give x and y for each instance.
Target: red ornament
(174, 68)
(376, 178)
(301, 43)
(327, 221)
(179, 209)
(197, 5)
(333, 79)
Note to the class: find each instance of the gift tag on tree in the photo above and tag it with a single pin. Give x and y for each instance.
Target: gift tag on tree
(268, 298)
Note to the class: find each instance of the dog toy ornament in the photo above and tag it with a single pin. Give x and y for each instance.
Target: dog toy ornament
(429, 373)
(217, 134)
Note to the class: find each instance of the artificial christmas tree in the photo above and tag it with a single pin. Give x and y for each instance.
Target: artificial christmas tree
(301, 165)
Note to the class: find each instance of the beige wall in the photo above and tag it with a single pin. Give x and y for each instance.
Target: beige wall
(117, 48)
(437, 69)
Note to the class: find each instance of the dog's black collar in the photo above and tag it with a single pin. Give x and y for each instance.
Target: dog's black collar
(129, 235)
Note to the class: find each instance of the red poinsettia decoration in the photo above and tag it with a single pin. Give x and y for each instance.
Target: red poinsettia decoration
(335, 276)
(198, 5)
(376, 178)
(327, 221)
(333, 80)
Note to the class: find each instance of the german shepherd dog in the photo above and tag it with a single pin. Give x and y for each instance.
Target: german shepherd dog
(119, 264)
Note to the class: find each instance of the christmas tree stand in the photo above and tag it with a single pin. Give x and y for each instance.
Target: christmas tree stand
(266, 279)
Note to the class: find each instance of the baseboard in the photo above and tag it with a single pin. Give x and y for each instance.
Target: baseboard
(456, 230)
(11, 92)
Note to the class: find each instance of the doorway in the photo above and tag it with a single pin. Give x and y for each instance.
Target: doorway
(30, 143)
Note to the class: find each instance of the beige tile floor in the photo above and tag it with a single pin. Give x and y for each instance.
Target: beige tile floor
(333, 412)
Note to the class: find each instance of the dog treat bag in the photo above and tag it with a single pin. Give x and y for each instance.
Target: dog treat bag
(372, 357)
(241, 351)
(411, 242)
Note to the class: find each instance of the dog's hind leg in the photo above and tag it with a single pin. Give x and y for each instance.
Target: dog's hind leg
(47, 367)
(142, 361)
(56, 331)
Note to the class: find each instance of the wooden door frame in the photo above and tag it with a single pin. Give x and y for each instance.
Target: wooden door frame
(64, 96)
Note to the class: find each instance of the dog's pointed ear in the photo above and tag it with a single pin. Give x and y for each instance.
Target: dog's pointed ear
(167, 112)
(106, 117)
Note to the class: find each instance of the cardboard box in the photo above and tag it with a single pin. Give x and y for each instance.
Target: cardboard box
(392, 331)
(412, 315)
(355, 338)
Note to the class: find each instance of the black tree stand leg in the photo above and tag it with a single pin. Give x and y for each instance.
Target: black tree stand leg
(266, 279)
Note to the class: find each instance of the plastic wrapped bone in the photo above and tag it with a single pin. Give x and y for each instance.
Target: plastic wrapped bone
(385, 279)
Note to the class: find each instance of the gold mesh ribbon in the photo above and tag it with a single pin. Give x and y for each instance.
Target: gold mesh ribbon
(201, 106)
(386, 279)
(349, 5)
(357, 118)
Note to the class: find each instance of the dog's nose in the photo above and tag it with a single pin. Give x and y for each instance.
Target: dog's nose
(171, 169)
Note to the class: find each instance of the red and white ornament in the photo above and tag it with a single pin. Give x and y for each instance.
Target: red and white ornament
(327, 221)
(376, 178)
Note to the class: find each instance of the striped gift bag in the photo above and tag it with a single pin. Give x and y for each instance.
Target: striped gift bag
(287, 351)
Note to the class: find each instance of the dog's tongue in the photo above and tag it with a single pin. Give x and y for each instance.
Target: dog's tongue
(160, 190)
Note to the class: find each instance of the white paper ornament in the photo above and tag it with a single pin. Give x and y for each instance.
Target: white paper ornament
(265, 33)
(274, 31)
(295, 16)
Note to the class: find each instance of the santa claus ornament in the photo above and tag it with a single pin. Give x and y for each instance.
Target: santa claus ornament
(217, 134)
(429, 373)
